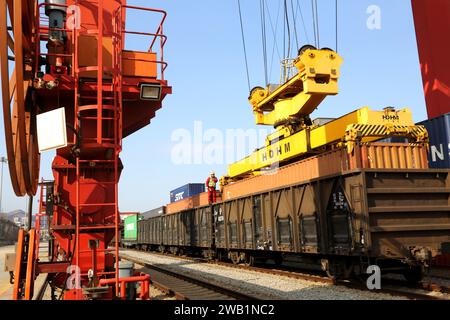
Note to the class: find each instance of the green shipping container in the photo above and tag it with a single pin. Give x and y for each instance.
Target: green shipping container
(130, 228)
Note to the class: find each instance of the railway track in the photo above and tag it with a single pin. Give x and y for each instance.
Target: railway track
(184, 287)
(422, 291)
(392, 287)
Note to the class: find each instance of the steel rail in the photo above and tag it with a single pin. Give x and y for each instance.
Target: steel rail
(195, 282)
(393, 287)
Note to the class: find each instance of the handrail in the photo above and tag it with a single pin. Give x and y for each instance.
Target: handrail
(159, 33)
(144, 279)
(44, 30)
(164, 13)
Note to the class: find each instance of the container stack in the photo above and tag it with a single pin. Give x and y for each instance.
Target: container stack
(188, 197)
(186, 191)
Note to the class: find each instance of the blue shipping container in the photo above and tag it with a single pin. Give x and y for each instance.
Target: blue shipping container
(439, 132)
(186, 191)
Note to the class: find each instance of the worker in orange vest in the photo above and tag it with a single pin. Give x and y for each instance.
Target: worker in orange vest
(211, 183)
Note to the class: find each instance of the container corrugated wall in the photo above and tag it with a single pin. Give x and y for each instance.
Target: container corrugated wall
(393, 156)
(367, 156)
(154, 213)
(439, 132)
(198, 200)
(130, 228)
(186, 191)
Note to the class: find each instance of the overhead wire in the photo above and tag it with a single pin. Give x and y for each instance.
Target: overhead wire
(243, 43)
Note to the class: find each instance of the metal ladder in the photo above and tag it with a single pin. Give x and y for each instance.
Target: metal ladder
(106, 115)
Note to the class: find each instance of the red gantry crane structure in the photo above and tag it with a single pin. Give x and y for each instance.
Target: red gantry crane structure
(72, 55)
(432, 22)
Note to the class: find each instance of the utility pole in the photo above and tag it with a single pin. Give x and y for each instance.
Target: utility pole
(3, 160)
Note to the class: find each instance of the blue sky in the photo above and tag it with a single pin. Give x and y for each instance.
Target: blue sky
(207, 72)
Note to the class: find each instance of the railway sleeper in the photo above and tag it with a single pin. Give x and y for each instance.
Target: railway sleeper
(336, 267)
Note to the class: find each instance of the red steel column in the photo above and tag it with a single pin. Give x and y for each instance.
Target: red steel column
(432, 22)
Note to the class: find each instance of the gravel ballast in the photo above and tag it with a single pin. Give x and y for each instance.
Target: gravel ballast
(259, 284)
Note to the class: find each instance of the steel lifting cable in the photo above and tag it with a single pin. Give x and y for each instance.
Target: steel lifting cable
(314, 22)
(317, 24)
(264, 38)
(299, 10)
(315, 17)
(274, 32)
(284, 30)
(337, 25)
(294, 18)
(243, 43)
(286, 13)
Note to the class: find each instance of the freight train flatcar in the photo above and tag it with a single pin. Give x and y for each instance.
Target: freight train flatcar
(345, 222)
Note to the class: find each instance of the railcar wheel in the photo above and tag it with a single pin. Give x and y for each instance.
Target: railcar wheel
(278, 260)
(339, 269)
(235, 257)
(249, 260)
(414, 274)
(220, 256)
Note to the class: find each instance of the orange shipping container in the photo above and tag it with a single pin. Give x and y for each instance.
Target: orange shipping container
(198, 200)
(366, 156)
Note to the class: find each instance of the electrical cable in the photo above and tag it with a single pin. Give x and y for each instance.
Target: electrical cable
(243, 43)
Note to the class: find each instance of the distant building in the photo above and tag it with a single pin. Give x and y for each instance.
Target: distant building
(20, 218)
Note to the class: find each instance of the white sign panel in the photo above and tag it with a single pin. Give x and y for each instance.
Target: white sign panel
(51, 130)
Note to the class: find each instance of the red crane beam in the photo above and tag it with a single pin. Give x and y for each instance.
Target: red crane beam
(432, 23)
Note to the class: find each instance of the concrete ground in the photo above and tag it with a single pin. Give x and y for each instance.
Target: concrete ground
(5, 287)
